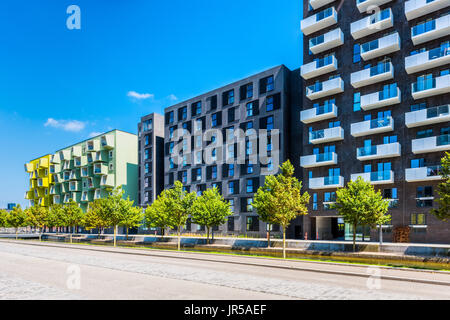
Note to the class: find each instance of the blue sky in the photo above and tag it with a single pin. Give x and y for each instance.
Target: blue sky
(130, 58)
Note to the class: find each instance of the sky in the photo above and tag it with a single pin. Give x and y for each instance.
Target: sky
(129, 58)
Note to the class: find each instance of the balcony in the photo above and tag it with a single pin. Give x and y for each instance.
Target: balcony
(377, 177)
(429, 87)
(85, 172)
(42, 182)
(431, 30)
(316, 4)
(381, 151)
(375, 74)
(100, 157)
(29, 167)
(319, 21)
(318, 160)
(326, 182)
(76, 151)
(326, 111)
(55, 168)
(54, 190)
(65, 154)
(65, 187)
(55, 158)
(56, 199)
(427, 116)
(380, 47)
(93, 146)
(107, 181)
(427, 60)
(326, 135)
(418, 8)
(100, 169)
(363, 5)
(319, 67)
(371, 24)
(431, 144)
(381, 99)
(369, 127)
(80, 161)
(74, 186)
(43, 163)
(327, 41)
(107, 141)
(423, 174)
(324, 89)
(74, 175)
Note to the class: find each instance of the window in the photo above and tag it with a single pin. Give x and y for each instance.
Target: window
(214, 172)
(230, 222)
(184, 177)
(356, 101)
(389, 139)
(269, 104)
(147, 125)
(252, 224)
(214, 120)
(231, 113)
(392, 195)
(249, 125)
(182, 113)
(424, 133)
(147, 140)
(269, 124)
(417, 163)
(249, 186)
(171, 131)
(212, 102)
(248, 147)
(246, 91)
(147, 168)
(169, 117)
(228, 98)
(356, 53)
(171, 164)
(249, 168)
(197, 108)
(230, 170)
(231, 186)
(418, 219)
(424, 196)
(419, 106)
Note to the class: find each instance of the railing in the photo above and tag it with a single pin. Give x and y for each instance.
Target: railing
(380, 175)
(319, 134)
(324, 14)
(331, 180)
(326, 156)
(324, 109)
(369, 46)
(433, 171)
(380, 68)
(324, 61)
(423, 28)
(314, 88)
(367, 151)
(379, 123)
(438, 52)
(316, 41)
(424, 84)
(388, 94)
(379, 16)
(437, 111)
(443, 140)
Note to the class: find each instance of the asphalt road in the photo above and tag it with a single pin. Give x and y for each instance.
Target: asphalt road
(54, 271)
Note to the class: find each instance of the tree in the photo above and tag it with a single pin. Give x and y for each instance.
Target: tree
(210, 210)
(94, 217)
(37, 217)
(55, 218)
(132, 217)
(158, 214)
(73, 216)
(115, 209)
(360, 205)
(443, 211)
(280, 200)
(3, 214)
(16, 218)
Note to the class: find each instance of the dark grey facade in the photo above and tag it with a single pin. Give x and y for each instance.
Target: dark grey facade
(259, 102)
(151, 158)
(388, 68)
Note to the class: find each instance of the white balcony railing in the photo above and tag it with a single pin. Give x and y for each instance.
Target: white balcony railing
(423, 174)
(428, 116)
(319, 160)
(380, 72)
(431, 144)
(326, 135)
(326, 182)
(368, 5)
(430, 30)
(377, 177)
(316, 4)
(319, 21)
(327, 111)
(381, 151)
(371, 24)
(374, 126)
(381, 99)
(319, 67)
(424, 88)
(380, 47)
(427, 60)
(324, 89)
(329, 40)
(418, 8)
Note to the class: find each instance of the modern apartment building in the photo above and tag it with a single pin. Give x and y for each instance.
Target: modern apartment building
(228, 138)
(40, 180)
(86, 171)
(376, 105)
(151, 158)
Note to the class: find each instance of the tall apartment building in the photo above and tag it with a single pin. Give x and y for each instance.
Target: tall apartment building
(86, 171)
(200, 150)
(151, 158)
(376, 105)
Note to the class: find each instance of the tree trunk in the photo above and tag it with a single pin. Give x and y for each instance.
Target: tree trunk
(179, 238)
(284, 242)
(268, 236)
(17, 231)
(127, 233)
(354, 238)
(207, 235)
(381, 238)
(212, 235)
(115, 232)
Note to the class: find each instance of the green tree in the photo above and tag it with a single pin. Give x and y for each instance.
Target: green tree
(210, 210)
(3, 215)
(55, 218)
(280, 200)
(94, 217)
(360, 205)
(158, 214)
(132, 217)
(16, 218)
(443, 211)
(37, 217)
(73, 216)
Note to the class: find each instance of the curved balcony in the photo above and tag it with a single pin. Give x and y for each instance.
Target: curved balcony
(431, 30)
(326, 135)
(427, 60)
(376, 177)
(324, 112)
(380, 47)
(380, 151)
(427, 116)
(431, 144)
(367, 5)
(369, 127)
(316, 4)
(375, 74)
(327, 41)
(419, 8)
(326, 182)
(424, 88)
(381, 99)
(429, 173)
(319, 67)
(371, 24)
(319, 21)
(318, 160)
(324, 89)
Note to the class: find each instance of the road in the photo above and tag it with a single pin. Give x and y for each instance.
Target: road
(30, 270)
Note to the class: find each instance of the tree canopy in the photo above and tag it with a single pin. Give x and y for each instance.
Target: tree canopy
(443, 210)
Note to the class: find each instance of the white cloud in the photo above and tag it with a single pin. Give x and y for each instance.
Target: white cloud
(140, 96)
(172, 97)
(66, 125)
(94, 134)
